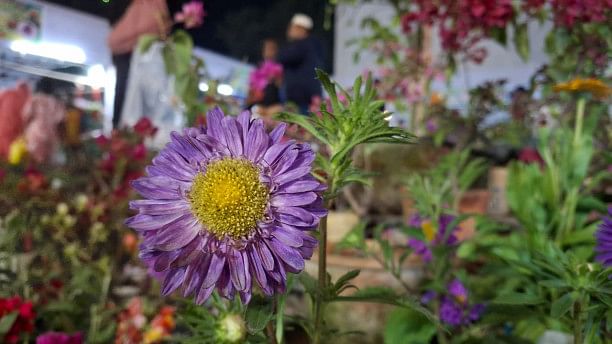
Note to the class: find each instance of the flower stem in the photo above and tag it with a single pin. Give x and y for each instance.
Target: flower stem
(578, 322)
(319, 302)
(579, 121)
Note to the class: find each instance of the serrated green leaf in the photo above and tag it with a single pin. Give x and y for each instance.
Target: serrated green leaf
(258, 314)
(304, 122)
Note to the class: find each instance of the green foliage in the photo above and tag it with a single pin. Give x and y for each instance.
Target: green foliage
(445, 183)
(405, 326)
(346, 126)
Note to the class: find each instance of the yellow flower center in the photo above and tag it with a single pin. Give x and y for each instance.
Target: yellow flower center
(428, 230)
(228, 198)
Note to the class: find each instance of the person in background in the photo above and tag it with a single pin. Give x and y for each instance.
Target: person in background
(299, 58)
(265, 81)
(141, 17)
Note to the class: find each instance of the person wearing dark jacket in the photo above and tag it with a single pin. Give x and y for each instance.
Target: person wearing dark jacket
(299, 58)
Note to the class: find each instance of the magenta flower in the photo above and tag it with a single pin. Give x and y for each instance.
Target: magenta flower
(192, 14)
(227, 206)
(60, 338)
(266, 73)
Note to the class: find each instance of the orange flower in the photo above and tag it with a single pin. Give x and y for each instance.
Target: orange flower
(436, 99)
(596, 87)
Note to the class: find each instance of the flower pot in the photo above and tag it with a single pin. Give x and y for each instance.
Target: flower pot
(498, 180)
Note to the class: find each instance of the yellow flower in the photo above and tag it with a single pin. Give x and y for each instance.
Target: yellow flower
(596, 87)
(17, 150)
(154, 335)
(428, 230)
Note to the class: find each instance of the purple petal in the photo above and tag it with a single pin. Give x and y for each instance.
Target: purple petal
(258, 271)
(239, 270)
(285, 161)
(142, 222)
(159, 187)
(244, 119)
(195, 274)
(176, 234)
(300, 186)
(213, 123)
(289, 237)
(173, 280)
(267, 260)
(293, 200)
(276, 151)
(292, 175)
(277, 133)
(289, 255)
(257, 142)
(232, 136)
(159, 207)
(204, 294)
(214, 270)
(188, 253)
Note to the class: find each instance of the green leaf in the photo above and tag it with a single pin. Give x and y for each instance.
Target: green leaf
(355, 238)
(7, 322)
(562, 305)
(309, 283)
(145, 42)
(521, 40)
(499, 35)
(405, 326)
(304, 122)
(258, 314)
(345, 279)
(518, 299)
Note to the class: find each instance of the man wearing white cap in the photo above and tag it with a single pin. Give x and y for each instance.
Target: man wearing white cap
(299, 58)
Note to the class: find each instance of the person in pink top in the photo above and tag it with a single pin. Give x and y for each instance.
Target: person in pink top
(12, 102)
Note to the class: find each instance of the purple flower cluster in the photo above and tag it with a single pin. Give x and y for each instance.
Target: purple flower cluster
(227, 206)
(604, 240)
(423, 248)
(455, 309)
(60, 338)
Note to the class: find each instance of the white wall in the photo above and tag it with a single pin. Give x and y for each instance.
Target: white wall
(62, 25)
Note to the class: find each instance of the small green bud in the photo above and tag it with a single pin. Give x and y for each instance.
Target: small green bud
(231, 329)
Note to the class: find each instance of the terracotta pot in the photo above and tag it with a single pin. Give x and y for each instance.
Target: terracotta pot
(472, 202)
(498, 181)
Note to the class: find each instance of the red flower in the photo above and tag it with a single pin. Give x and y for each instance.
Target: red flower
(24, 321)
(530, 155)
(139, 152)
(102, 141)
(144, 127)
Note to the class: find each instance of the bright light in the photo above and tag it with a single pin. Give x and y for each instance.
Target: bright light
(96, 76)
(225, 89)
(203, 86)
(57, 51)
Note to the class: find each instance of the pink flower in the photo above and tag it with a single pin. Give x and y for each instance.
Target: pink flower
(267, 72)
(60, 338)
(192, 14)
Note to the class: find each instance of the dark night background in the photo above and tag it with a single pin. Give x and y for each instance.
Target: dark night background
(233, 27)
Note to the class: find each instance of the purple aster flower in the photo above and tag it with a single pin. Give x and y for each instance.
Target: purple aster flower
(451, 313)
(443, 223)
(415, 221)
(475, 313)
(226, 206)
(420, 249)
(428, 296)
(457, 289)
(604, 240)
